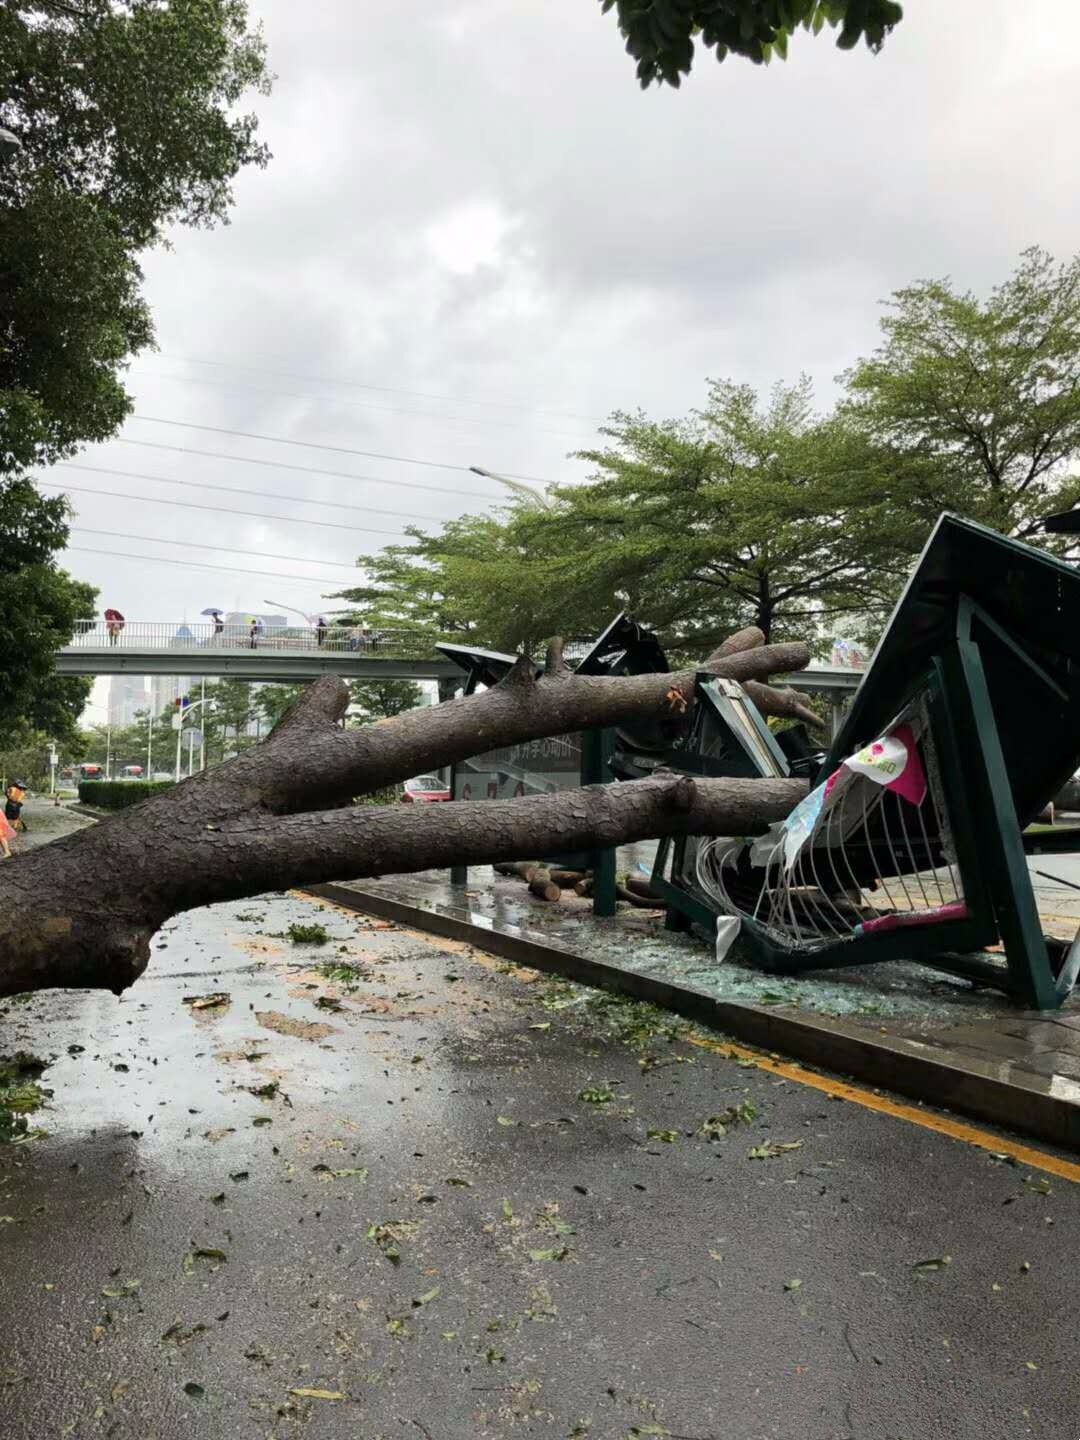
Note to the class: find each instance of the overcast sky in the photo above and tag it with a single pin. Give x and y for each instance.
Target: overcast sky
(477, 237)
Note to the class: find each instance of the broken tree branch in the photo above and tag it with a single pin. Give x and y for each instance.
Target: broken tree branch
(272, 818)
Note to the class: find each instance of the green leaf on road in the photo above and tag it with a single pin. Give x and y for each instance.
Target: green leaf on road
(596, 1095)
(122, 1292)
(771, 1150)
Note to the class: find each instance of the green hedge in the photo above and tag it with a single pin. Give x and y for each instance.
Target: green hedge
(119, 794)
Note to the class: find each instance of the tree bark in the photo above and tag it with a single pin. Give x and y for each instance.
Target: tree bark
(86, 907)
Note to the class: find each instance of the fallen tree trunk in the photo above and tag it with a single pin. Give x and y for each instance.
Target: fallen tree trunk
(543, 887)
(89, 904)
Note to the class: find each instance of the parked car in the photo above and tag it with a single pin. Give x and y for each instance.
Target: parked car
(424, 790)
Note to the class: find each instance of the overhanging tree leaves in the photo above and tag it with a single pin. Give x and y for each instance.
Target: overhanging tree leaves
(128, 116)
(978, 401)
(126, 113)
(39, 606)
(660, 34)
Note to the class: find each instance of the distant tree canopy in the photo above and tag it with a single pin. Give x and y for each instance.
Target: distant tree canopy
(740, 514)
(978, 401)
(660, 34)
(770, 514)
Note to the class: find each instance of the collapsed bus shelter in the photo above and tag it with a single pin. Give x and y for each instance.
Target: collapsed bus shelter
(912, 842)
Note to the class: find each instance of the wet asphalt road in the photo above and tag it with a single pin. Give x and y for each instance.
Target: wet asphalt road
(483, 1207)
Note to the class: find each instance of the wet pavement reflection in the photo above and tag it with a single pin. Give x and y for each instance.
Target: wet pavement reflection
(387, 1186)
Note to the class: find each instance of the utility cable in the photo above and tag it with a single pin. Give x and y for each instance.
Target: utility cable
(223, 549)
(218, 509)
(302, 469)
(196, 565)
(252, 494)
(314, 445)
(330, 399)
(384, 389)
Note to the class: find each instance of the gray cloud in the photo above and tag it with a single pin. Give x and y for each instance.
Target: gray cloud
(474, 201)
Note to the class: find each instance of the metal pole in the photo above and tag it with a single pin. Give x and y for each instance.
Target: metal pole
(108, 751)
(179, 742)
(150, 737)
(202, 725)
(190, 752)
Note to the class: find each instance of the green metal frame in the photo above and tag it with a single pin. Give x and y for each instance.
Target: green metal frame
(985, 830)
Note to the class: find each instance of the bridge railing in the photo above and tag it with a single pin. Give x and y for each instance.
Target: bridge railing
(187, 639)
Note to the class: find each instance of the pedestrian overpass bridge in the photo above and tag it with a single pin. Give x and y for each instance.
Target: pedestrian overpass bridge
(282, 656)
(293, 655)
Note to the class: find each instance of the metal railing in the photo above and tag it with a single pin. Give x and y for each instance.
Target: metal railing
(187, 639)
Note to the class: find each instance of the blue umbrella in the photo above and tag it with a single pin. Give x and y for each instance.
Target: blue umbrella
(213, 610)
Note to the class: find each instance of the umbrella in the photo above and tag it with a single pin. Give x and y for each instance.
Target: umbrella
(213, 610)
(113, 615)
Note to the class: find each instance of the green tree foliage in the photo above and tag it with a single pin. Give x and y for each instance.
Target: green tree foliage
(978, 401)
(39, 606)
(271, 701)
(382, 699)
(127, 111)
(128, 116)
(371, 699)
(226, 718)
(742, 514)
(660, 34)
(414, 586)
(24, 755)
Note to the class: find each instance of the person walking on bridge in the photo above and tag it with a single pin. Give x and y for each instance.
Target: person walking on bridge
(114, 623)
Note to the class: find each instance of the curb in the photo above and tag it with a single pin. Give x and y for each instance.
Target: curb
(920, 1071)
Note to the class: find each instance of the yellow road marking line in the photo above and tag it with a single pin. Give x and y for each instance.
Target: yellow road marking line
(955, 1129)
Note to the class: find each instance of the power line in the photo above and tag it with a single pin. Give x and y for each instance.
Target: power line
(313, 445)
(217, 509)
(330, 399)
(196, 565)
(384, 389)
(240, 490)
(302, 469)
(223, 549)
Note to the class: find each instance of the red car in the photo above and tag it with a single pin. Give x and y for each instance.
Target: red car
(424, 790)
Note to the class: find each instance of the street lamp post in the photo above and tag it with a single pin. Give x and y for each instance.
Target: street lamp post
(178, 722)
(10, 144)
(310, 619)
(535, 499)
